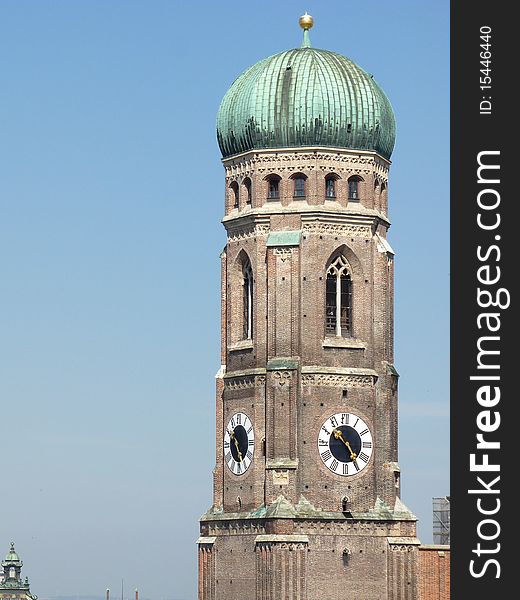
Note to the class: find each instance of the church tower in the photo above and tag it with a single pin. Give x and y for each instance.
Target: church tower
(12, 585)
(306, 502)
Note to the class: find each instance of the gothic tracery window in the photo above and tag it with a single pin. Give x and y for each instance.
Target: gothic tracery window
(338, 301)
(247, 301)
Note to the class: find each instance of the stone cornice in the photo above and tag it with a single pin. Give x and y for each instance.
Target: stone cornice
(256, 221)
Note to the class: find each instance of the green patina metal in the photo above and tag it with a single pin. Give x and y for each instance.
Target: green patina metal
(283, 238)
(282, 364)
(305, 97)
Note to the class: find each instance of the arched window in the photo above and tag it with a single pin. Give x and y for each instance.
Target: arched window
(12, 573)
(247, 185)
(330, 186)
(234, 188)
(299, 185)
(354, 188)
(273, 186)
(346, 504)
(338, 301)
(247, 301)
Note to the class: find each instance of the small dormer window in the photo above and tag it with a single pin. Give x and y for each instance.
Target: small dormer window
(12, 573)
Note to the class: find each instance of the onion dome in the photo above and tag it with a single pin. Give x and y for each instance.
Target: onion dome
(12, 558)
(305, 97)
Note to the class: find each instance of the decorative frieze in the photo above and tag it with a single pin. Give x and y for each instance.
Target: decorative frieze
(402, 548)
(283, 253)
(248, 231)
(305, 161)
(346, 229)
(282, 377)
(244, 383)
(338, 380)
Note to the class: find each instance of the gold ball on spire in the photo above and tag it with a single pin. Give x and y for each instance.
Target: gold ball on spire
(306, 21)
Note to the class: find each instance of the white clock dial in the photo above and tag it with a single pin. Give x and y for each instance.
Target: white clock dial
(239, 443)
(345, 444)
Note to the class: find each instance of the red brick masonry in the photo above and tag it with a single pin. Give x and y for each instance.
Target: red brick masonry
(434, 572)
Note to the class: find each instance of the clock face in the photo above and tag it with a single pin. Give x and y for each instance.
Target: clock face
(345, 444)
(239, 443)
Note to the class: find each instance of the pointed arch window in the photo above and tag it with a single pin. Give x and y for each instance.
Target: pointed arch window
(338, 299)
(247, 302)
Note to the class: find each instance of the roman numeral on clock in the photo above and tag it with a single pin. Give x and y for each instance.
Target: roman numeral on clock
(344, 418)
(326, 455)
(226, 445)
(363, 432)
(345, 468)
(334, 465)
(367, 444)
(363, 457)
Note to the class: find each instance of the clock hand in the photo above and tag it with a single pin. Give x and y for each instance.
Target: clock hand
(339, 436)
(232, 436)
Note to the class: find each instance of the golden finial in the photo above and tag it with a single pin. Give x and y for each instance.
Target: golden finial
(306, 22)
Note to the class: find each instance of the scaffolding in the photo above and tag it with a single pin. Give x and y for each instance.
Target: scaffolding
(441, 520)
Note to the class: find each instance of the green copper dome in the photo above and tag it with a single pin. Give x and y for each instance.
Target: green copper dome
(11, 557)
(305, 97)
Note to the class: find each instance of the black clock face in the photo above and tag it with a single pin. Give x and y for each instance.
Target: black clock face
(239, 443)
(239, 450)
(338, 447)
(345, 444)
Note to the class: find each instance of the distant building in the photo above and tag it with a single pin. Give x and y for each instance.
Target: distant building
(12, 586)
(441, 520)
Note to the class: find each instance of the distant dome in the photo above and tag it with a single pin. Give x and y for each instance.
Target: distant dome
(305, 97)
(11, 556)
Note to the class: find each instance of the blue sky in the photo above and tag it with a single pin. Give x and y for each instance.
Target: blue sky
(111, 193)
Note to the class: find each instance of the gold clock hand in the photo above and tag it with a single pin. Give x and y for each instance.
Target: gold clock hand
(339, 436)
(232, 436)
